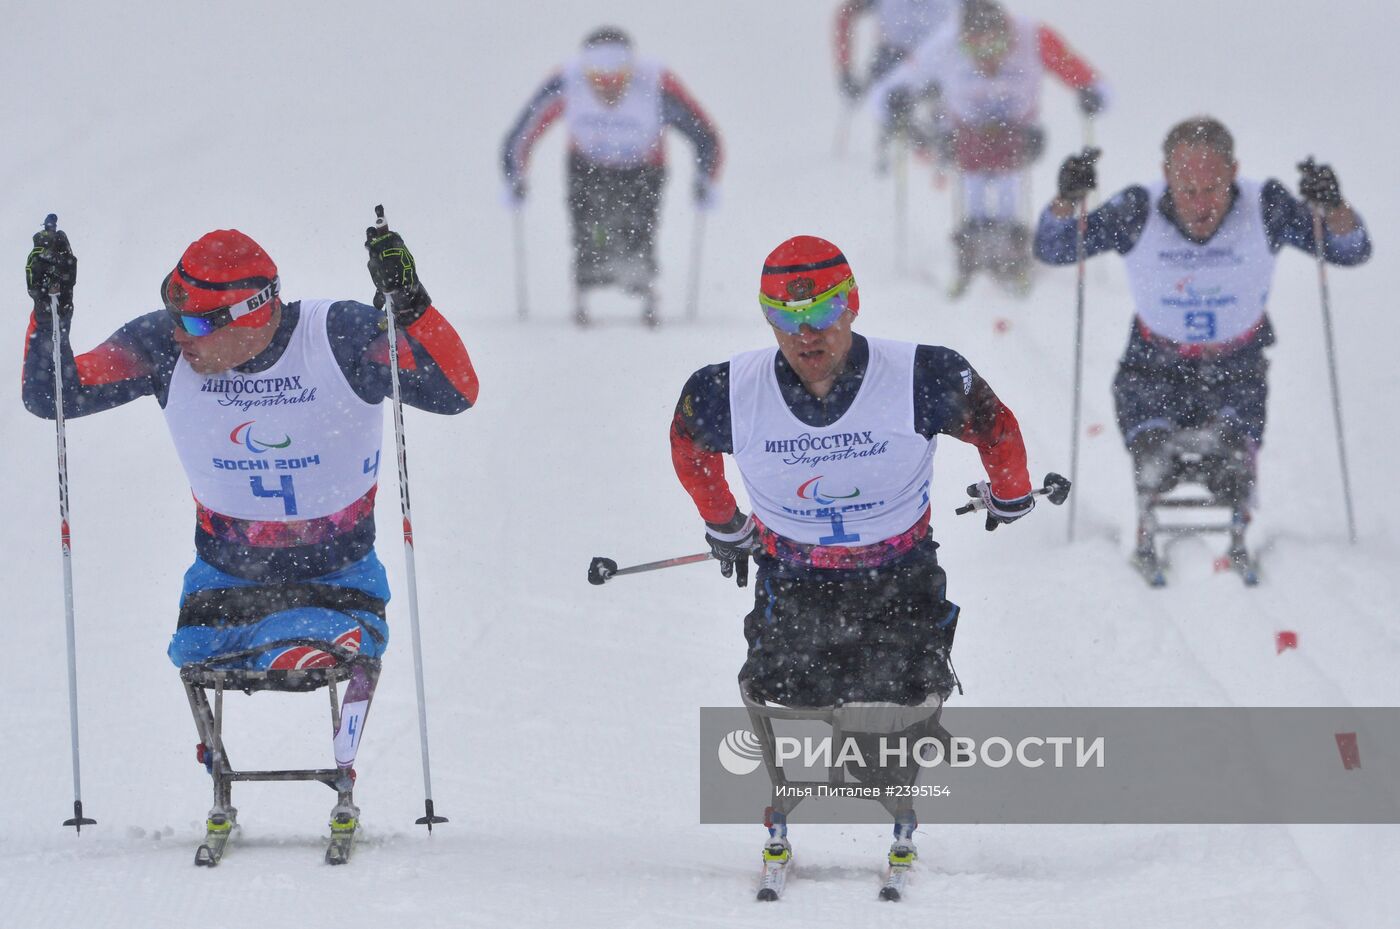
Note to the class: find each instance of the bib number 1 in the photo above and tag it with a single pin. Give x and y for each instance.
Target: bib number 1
(838, 531)
(285, 491)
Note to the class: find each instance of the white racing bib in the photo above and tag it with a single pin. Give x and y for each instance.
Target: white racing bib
(1203, 294)
(619, 136)
(859, 481)
(290, 443)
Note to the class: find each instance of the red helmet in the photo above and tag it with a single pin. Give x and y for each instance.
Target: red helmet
(807, 280)
(223, 278)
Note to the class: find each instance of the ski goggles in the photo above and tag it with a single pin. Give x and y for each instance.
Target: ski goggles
(209, 321)
(818, 311)
(985, 47)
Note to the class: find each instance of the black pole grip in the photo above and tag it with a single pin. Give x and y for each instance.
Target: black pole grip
(600, 569)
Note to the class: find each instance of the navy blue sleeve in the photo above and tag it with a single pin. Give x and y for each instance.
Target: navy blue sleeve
(702, 412)
(680, 110)
(361, 349)
(951, 398)
(1289, 221)
(1115, 226)
(544, 108)
(136, 361)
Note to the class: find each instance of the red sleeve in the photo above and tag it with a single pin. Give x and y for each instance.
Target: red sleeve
(702, 475)
(845, 26)
(998, 440)
(437, 337)
(1060, 60)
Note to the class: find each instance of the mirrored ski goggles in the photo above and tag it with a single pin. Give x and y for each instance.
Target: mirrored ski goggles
(219, 317)
(818, 311)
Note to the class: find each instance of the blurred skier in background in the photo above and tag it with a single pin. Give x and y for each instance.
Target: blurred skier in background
(1200, 247)
(616, 106)
(901, 25)
(834, 436)
(986, 70)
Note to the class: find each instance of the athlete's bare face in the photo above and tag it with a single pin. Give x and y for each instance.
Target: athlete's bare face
(228, 347)
(1199, 178)
(818, 355)
(610, 86)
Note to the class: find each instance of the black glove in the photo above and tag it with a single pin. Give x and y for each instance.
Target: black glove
(1000, 511)
(394, 272)
(899, 111)
(515, 192)
(850, 86)
(52, 266)
(1318, 185)
(1091, 101)
(1078, 175)
(704, 191)
(732, 543)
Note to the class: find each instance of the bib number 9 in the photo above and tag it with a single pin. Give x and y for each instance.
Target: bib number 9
(1200, 326)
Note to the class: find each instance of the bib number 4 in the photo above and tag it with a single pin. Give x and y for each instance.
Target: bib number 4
(286, 491)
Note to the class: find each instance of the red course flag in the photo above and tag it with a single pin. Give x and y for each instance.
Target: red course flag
(1351, 754)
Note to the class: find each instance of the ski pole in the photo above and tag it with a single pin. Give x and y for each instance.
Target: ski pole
(843, 130)
(428, 818)
(601, 570)
(901, 202)
(1332, 370)
(522, 299)
(1056, 488)
(65, 541)
(1081, 258)
(697, 241)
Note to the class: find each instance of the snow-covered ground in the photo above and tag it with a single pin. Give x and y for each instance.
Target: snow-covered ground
(563, 717)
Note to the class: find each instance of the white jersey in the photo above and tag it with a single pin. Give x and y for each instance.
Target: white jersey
(905, 23)
(1203, 294)
(290, 443)
(859, 481)
(970, 97)
(622, 135)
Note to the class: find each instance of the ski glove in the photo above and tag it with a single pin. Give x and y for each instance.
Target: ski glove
(394, 272)
(513, 195)
(732, 543)
(706, 197)
(850, 86)
(52, 267)
(1318, 185)
(1000, 511)
(1091, 101)
(1078, 175)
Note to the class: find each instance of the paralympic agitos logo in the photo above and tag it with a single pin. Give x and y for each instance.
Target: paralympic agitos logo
(242, 434)
(811, 490)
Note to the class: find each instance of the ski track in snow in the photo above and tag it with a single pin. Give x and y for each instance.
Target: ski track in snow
(563, 717)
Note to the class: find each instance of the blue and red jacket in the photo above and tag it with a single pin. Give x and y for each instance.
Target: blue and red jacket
(701, 429)
(678, 110)
(435, 374)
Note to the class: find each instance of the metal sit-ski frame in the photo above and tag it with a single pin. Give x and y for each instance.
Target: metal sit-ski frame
(199, 678)
(787, 792)
(1191, 452)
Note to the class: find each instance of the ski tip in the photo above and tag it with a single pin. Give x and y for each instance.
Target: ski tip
(767, 895)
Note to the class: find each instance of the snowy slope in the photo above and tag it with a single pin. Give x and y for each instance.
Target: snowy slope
(563, 717)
